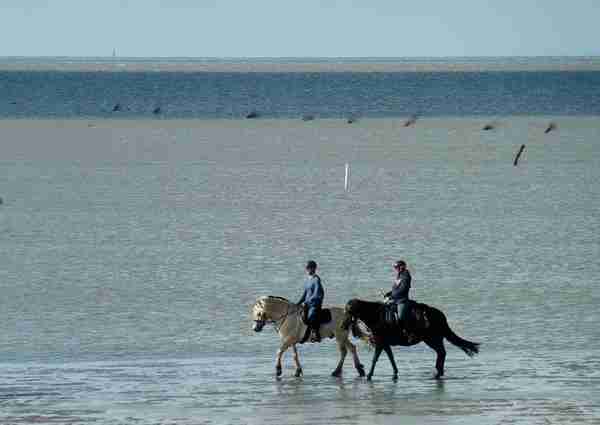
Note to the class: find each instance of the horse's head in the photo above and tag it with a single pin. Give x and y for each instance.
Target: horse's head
(268, 309)
(351, 312)
(353, 319)
(258, 315)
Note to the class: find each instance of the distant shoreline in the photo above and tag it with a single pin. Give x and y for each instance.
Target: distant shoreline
(466, 64)
(476, 121)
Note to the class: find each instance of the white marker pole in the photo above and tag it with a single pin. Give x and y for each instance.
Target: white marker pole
(347, 178)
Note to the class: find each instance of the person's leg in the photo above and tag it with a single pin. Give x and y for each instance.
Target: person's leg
(313, 319)
(308, 321)
(401, 314)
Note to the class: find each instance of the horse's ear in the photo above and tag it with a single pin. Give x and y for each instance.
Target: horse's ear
(349, 305)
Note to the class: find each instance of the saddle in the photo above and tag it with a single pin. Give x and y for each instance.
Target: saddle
(415, 316)
(323, 317)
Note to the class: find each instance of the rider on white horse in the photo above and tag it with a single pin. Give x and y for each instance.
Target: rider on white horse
(313, 298)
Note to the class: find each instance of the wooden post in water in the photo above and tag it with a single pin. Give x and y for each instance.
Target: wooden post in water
(516, 161)
(347, 178)
(411, 120)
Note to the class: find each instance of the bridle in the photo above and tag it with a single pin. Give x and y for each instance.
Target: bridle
(278, 323)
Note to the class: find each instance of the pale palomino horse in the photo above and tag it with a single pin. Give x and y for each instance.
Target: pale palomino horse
(287, 318)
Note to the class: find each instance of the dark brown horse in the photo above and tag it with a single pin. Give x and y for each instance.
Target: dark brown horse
(426, 324)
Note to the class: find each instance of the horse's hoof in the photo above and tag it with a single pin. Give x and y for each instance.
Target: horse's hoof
(278, 370)
(298, 373)
(361, 370)
(369, 377)
(395, 377)
(336, 373)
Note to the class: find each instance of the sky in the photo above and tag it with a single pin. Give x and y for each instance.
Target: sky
(301, 28)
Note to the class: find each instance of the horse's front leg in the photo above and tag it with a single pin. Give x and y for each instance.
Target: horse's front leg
(299, 372)
(378, 350)
(390, 354)
(357, 364)
(343, 351)
(279, 355)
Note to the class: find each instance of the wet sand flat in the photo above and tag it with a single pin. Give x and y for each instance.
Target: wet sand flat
(132, 250)
(303, 65)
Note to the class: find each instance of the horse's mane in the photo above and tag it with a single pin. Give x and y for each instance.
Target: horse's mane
(260, 300)
(278, 298)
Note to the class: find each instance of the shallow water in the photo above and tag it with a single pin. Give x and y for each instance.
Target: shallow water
(496, 388)
(132, 251)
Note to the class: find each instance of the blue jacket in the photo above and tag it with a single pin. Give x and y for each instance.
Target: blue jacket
(313, 291)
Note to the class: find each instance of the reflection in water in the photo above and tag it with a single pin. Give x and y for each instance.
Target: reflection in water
(439, 388)
(244, 390)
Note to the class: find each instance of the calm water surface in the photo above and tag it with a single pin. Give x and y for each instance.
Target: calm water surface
(131, 252)
(210, 95)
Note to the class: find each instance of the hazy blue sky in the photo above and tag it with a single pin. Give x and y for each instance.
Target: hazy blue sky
(299, 28)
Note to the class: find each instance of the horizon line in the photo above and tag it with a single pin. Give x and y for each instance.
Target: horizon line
(300, 57)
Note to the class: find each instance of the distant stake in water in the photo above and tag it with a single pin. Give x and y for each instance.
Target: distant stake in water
(516, 161)
(550, 127)
(347, 178)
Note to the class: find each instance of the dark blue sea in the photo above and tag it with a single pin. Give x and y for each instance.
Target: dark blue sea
(209, 95)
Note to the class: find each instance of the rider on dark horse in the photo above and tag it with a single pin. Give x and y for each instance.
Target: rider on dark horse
(399, 294)
(313, 298)
(425, 324)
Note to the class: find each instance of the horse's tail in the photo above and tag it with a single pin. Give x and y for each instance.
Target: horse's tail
(469, 347)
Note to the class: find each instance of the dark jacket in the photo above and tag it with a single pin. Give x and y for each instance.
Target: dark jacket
(313, 292)
(399, 292)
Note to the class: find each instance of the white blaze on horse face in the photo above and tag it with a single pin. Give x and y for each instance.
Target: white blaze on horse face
(258, 316)
(258, 312)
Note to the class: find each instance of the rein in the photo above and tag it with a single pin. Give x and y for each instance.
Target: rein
(282, 319)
